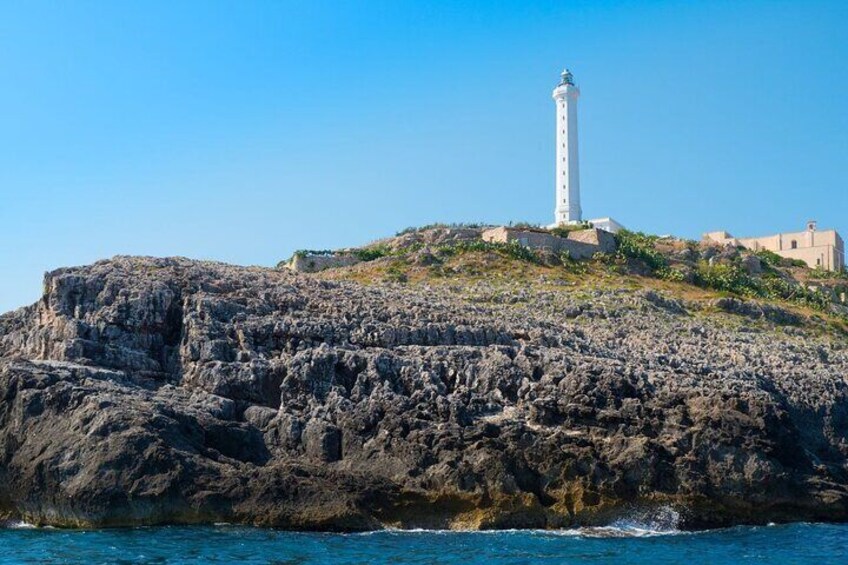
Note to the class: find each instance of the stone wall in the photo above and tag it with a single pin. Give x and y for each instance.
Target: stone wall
(581, 244)
(315, 263)
(603, 239)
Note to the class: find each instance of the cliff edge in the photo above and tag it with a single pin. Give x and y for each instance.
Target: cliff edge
(488, 394)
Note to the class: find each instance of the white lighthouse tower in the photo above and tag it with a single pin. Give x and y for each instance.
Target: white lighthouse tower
(567, 209)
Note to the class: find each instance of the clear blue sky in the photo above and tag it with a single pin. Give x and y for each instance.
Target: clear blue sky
(241, 131)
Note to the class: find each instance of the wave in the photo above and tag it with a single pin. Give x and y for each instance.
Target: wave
(658, 521)
(18, 525)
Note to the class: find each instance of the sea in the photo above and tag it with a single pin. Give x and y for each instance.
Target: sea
(620, 543)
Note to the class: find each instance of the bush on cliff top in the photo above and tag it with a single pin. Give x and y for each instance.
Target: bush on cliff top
(730, 277)
(372, 253)
(524, 225)
(724, 277)
(363, 254)
(302, 253)
(821, 274)
(564, 229)
(640, 246)
(453, 226)
(734, 279)
(511, 250)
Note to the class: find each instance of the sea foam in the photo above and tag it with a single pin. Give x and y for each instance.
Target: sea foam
(657, 521)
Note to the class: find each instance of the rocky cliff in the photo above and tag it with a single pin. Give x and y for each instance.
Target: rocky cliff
(142, 391)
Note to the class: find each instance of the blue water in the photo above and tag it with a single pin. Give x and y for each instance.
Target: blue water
(799, 543)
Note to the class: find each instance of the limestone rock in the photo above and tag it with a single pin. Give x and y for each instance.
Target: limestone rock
(145, 391)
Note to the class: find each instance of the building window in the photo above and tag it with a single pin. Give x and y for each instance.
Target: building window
(818, 262)
(794, 244)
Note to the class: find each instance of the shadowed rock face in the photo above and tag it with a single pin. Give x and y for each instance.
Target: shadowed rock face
(141, 391)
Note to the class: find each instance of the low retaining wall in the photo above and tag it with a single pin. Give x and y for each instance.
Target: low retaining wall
(581, 244)
(315, 263)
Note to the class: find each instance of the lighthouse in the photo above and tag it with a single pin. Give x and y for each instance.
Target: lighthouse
(567, 210)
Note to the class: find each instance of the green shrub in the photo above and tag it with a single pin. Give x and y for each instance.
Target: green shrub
(396, 273)
(778, 288)
(671, 274)
(563, 230)
(511, 250)
(313, 253)
(439, 225)
(524, 225)
(640, 246)
(571, 264)
(769, 258)
(726, 278)
(371, 253)
(364, 254)
(822, 274)
(733, 278)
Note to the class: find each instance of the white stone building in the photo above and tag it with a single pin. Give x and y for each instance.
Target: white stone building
(823, 249)
(606, 224)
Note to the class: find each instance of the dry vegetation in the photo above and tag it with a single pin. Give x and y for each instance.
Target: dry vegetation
(694, 273)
